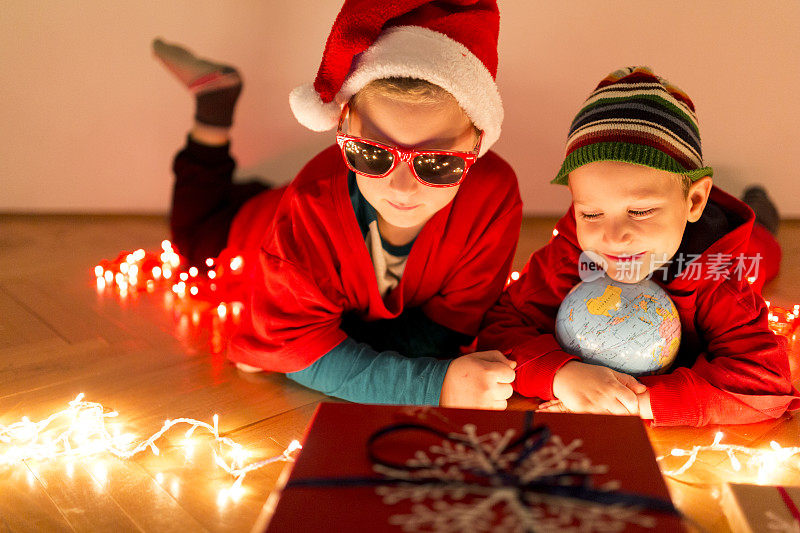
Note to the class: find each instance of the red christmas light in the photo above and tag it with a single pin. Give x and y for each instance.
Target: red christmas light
(211, 297)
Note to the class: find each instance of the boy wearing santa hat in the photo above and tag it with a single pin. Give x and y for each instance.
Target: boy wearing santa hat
(373, 268)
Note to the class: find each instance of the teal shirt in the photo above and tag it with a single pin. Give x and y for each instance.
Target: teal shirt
(356, 372)
(386, 361)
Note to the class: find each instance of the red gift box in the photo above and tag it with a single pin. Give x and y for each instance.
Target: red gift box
(754, 508)
(394, 468)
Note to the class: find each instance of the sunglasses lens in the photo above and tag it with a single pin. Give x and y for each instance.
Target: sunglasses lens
(439, 169)
(368, 159)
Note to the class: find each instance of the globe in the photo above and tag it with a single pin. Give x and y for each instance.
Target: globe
(630, 327)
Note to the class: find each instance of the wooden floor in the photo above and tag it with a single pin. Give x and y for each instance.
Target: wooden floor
(59, 337)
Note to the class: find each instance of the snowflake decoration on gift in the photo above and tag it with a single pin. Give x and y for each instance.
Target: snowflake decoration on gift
(456, 504)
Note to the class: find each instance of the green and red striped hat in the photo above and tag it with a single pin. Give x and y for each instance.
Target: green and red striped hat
(635, 116)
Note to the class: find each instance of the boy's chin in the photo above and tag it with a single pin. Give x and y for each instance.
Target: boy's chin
(405, 220)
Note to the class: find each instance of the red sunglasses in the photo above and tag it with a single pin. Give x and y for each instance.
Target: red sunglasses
(433, 168)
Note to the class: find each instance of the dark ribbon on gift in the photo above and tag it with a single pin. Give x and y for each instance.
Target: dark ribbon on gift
(566, 484)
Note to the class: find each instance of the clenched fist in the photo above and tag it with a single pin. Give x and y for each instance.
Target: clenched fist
(479, 380)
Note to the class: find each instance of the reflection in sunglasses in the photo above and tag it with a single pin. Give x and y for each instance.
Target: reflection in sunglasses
(434, 168)
(367, 159)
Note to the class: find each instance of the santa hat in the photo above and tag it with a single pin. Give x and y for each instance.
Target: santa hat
(450, 43)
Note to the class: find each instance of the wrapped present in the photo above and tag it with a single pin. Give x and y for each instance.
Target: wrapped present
(756, 508)
(394, 468)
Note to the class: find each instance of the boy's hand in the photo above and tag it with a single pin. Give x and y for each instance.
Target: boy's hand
(585, 388)
(556, 406)
(479, 380)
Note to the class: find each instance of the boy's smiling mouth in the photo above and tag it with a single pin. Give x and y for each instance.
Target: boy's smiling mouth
(630, 257)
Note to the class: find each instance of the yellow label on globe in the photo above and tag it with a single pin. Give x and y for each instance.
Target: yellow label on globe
(608, 301)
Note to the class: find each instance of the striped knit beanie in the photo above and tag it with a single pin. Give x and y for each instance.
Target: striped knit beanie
(635, 116)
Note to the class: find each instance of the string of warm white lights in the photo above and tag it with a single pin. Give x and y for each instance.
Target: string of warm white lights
(81, 430)
(86, 434)
(766, 462)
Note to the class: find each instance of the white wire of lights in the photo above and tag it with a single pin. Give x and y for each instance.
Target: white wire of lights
(766, 462)
(86, 434)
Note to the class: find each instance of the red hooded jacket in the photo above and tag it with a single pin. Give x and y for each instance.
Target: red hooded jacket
(736, 370)
(313, 264)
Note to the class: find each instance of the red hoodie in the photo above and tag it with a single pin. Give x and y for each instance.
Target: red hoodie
(736, 370)
(314, 266)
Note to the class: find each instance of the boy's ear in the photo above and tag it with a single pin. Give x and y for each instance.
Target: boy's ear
(697, 198)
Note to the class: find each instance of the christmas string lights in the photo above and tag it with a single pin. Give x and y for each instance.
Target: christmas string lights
(217, 292)
(80, 430)
(145, 271)
(765, 462)
(784, 322)
(210, 297)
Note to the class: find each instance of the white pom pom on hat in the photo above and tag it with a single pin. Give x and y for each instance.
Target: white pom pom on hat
(311, 111)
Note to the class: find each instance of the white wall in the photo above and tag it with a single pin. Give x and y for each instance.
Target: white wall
(90, 120)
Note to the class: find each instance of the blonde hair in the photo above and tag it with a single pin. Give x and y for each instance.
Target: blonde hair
(412, 90)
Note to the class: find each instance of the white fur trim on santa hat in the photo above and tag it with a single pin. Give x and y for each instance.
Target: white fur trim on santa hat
(415, 52)
(311, 111)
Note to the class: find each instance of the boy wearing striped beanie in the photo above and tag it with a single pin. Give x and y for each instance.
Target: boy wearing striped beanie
(643, 205)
